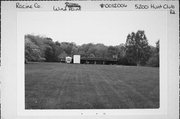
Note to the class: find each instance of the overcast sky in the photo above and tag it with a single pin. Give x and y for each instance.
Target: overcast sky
(109, 28)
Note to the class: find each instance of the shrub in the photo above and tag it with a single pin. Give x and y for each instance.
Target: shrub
(153, 61)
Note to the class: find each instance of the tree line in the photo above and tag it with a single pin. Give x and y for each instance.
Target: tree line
(135, 51)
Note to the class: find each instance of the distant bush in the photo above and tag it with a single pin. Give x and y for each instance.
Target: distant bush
(153, 61)
(125, 61)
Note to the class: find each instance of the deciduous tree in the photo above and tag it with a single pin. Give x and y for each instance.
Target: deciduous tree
(137, 48)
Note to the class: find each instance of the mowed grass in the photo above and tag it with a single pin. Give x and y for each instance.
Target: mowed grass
(82, 86)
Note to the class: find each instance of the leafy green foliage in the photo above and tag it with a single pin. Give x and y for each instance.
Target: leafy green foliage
(137, 48)
(32, 51)
(154, 59)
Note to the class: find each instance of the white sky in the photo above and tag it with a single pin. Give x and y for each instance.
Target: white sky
(109, 28)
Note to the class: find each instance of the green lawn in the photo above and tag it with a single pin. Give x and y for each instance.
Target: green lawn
(82, 86)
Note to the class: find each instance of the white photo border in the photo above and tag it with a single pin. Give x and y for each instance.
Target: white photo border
(15, 94)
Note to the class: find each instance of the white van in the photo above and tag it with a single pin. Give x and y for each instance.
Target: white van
(68, 59)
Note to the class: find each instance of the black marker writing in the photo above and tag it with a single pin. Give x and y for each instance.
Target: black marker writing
(27, 6)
